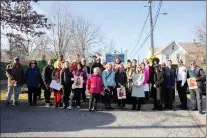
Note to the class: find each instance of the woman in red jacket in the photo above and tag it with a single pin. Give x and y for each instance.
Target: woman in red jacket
(94, 87)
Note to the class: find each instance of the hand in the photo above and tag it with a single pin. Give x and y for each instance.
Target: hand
(58, 80)
(181, 85)
(87, 91)
(72, 79)
(62, 86)
(106, 88)
(196, 79)
(137, 86)
(154, 85)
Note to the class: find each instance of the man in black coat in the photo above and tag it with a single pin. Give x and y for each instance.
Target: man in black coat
(47, 78)
(97, 64)
(196, 94)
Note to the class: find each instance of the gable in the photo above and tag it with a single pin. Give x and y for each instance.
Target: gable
(173, 48)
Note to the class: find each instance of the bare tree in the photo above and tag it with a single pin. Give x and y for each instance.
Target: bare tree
(200, 33)
(60, 36)
(85, 35)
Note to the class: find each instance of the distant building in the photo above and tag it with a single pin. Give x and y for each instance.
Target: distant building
(176, 50)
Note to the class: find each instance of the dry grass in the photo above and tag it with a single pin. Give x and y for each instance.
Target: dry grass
(22, 97)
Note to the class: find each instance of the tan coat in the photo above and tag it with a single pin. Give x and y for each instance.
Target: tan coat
(129, 73)
(15, 75)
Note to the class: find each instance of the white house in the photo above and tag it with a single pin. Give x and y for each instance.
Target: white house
(176, 50)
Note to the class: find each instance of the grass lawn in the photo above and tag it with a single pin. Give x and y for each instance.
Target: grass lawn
(22, 97)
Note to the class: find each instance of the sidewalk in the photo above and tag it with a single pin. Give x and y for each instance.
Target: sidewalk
(198, 118)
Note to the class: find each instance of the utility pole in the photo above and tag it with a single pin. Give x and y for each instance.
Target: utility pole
(151, 27)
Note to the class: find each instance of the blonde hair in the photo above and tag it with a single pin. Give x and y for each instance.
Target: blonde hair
(97, 69)
(108, 64)
(138, 72)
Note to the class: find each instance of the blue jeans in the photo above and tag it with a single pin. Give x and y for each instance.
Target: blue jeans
(16, 90)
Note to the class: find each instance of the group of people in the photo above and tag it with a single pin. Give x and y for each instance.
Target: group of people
(101, 82)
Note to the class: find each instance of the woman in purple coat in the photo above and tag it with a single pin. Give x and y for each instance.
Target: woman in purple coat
(76, 92)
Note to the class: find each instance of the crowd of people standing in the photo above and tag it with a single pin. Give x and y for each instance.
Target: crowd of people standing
(101, 82)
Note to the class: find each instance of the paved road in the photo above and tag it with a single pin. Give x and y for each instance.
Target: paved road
(25, 121)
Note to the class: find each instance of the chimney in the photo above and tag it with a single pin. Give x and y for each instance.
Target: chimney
(194, 41)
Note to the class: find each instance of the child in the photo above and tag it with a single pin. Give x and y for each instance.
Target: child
(138, 88)
(94, 87)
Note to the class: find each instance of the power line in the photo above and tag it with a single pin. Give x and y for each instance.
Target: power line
(158, 11)
(142, 44)
(143, 27)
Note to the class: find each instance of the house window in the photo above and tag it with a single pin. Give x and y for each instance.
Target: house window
(178, 56)
(173, 47)
(167, 57)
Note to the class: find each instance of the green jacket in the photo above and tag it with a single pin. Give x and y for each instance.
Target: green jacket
(41, 64)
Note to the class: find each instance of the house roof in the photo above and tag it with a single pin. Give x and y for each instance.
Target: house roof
(188, 47)
(191, 47)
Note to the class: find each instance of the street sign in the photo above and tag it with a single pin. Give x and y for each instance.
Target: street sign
(111, 57)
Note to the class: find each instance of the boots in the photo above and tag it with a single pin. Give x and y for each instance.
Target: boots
(160, 105)
(65, 105)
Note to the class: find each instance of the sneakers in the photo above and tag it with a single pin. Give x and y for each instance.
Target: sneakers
(70, 108)
(15, 103)
(47, 105)
(94, 109)
(78, 107)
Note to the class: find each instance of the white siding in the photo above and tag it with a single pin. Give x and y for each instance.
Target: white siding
(173, 53)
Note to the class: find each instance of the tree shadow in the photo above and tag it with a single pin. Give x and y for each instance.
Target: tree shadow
(17, 119)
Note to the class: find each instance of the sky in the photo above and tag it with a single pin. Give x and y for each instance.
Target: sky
(122, 21)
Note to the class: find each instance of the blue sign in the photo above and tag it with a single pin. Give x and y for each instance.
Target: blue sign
(112, 57)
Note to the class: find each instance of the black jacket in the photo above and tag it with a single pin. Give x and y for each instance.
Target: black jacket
(200, 76)
(65, 77)
(96, 65)
(47, 74)
(120, 77)
(158, 78)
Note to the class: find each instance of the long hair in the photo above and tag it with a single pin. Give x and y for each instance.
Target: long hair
(79, 65)
(138, 72)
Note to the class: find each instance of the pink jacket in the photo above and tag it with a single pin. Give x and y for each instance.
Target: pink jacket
(146, 76)
(94, 84)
